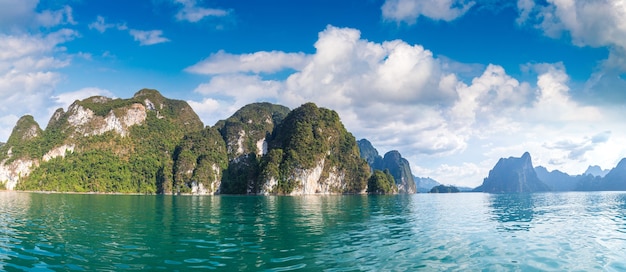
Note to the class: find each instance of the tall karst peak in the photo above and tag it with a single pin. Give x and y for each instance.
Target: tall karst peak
(25, 129)
(394, 162)
(513, 175)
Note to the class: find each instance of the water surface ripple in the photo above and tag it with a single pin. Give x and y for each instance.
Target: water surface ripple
(433, 232)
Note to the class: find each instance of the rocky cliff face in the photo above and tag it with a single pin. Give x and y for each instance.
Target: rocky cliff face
(199, 161)
(557, 180)
(615, 180)
(14, 162)
(150, 144)
(138, 134)
(513, 175)
(394, 162)
(246, 136)
(370, 154)
(401, 171)
(311, 152)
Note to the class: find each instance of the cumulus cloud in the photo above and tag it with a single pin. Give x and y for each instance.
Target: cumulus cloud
(148, 37)
(28, 75)
(589, 22)
(227, 93)
(191, 12)
(266, 62)
(400, 96)
(409, 10)
(554, 102)
(596, 23)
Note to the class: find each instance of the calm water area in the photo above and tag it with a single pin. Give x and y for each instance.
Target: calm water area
(424, 232)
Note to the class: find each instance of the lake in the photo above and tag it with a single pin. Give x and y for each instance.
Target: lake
(431, 232)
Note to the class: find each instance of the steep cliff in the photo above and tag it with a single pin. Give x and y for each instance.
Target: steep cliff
(102, 145)
(615, 180)
(245, 134)
(15, 155)
(393, 162)
(150, 144)
(513, 175)
(370, 154)
(199, 162)
(401, 171)
(310, 151)
(557, 180)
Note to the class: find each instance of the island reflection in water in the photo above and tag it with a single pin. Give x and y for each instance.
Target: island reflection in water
(467, 231)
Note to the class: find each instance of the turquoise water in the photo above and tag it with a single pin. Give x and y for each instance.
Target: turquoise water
(431, 232)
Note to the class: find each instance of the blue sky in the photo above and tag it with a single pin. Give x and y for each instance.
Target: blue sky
(452, 84)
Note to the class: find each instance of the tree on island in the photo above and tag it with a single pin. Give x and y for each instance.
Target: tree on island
(444, 189)
(381, 182)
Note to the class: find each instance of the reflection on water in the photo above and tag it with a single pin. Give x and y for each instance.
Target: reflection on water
(434, 232)
(514, 211)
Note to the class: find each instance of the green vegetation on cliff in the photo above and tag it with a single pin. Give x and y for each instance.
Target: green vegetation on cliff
(200, 158)
(444, 189)
(311, 137)
(393, 162)
(91, 171)
(245, 134)
(25, 140)
(381, 182)
(121, 145)
(150, 144)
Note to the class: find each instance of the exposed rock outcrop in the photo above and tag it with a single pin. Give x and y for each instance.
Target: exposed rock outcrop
(310, 151)
(401, 171)
(513, 175)
(394, 162)
(134, 138)
(615, 180)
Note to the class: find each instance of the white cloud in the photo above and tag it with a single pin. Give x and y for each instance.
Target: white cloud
(409, 10)
(49, 18)
(20, 14)
(100, 25)
(63, 100)
(400, 96)
(553, 102)
(596, 23)
(28, 76)
(149, 37)
(192, 13)
(268, 62)
(228, 93)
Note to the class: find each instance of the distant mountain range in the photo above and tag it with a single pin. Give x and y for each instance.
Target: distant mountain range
(513, 175)
(424, 185)
(517, 175)
(151, 144)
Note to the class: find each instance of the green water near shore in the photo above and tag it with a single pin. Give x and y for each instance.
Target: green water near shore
(468, 231)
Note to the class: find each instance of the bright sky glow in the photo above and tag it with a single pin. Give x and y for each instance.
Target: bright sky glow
(452, 84)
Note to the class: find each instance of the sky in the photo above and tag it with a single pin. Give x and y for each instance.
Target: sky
(453, 85)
